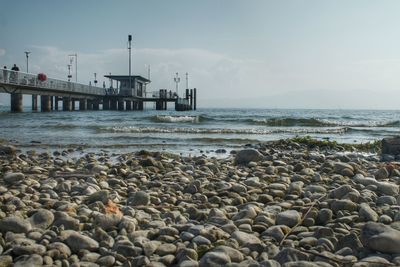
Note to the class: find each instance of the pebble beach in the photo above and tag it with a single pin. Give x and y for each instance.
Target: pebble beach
(280, 203)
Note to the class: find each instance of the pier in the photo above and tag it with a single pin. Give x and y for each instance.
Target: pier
(54, 94)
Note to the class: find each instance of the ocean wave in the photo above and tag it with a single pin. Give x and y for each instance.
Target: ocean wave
(225, 140)
(312, 122)
(177, 119)
(390, 124)
(287, 122)
(134, 129)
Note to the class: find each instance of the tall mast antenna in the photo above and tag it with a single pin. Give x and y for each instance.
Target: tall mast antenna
(130, 48)
(187, 80)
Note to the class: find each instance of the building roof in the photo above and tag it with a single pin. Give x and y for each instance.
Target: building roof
(126, 78)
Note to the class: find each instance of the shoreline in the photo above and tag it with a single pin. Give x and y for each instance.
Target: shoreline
(279, 203)
(209, 150)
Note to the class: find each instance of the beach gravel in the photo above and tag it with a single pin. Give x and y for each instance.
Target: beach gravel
(273, 204)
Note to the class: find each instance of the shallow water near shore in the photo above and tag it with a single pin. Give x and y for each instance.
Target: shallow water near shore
(194, 132)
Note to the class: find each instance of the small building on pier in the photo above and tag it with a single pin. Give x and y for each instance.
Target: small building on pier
(134, 85)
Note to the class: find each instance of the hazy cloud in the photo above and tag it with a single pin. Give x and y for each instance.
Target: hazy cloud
(214, 74)
(2, 52)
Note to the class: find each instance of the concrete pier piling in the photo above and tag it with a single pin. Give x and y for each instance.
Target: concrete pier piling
(82, 104)
(66, 104)
(194, 98)
(106, 103)
(128, 105)
(191, 99)
(56, 103)
(45, 103)
(161, 104)
(121, 104)
(89, 104)
(16, 102)
(34, 103)
(73, 104)
(96, 104)
(113, 104)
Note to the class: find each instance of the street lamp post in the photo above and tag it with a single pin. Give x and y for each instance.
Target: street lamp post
(27, 60)
(34, 97)
(69, 69)
(177, 80)
(76, 65)
(69, 72)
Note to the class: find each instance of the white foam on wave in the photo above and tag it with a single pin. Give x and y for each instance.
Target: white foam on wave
(134, 129)
(174, 119)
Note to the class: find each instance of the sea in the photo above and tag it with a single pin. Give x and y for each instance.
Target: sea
(204, 131)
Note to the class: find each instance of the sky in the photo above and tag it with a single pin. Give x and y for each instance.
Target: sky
(245, 54)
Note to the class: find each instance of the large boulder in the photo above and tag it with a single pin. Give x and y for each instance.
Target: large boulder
(7, 150)
(391, 145)
(102, 195)
(244, 238)
(214, 259)
(139, 198)
(42, 219)
(13, 177)
(289, 218)
(77, 241)
(14, 224)
(243, 157)
(382, 238)
(367, 214)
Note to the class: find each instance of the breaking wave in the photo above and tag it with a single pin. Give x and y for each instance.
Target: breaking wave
(177, 119)
(287, 122)
(134, 129)
(312, 122)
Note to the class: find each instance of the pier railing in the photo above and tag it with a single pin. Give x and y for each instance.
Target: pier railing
(168, 94)
(32, 80)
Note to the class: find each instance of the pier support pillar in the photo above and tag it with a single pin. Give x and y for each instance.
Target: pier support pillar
(106, 103)
(56, 103)
(113, 104)
(194, 98)
(51, 102)
(89, 104)
(66, 104)
(140, 105)
(128, 105)
(16, 103)
(191, 99)
(96, 104)
(73, 104)
(34, 103)
(45, 103)
(121, 104)
(82, 104)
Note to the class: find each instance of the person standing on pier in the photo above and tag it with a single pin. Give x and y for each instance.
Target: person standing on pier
(5, 74)
(15, 73)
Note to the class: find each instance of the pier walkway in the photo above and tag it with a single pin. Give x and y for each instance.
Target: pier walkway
(52, 91)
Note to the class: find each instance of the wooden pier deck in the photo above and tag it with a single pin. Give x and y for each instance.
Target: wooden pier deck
(52, 91)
